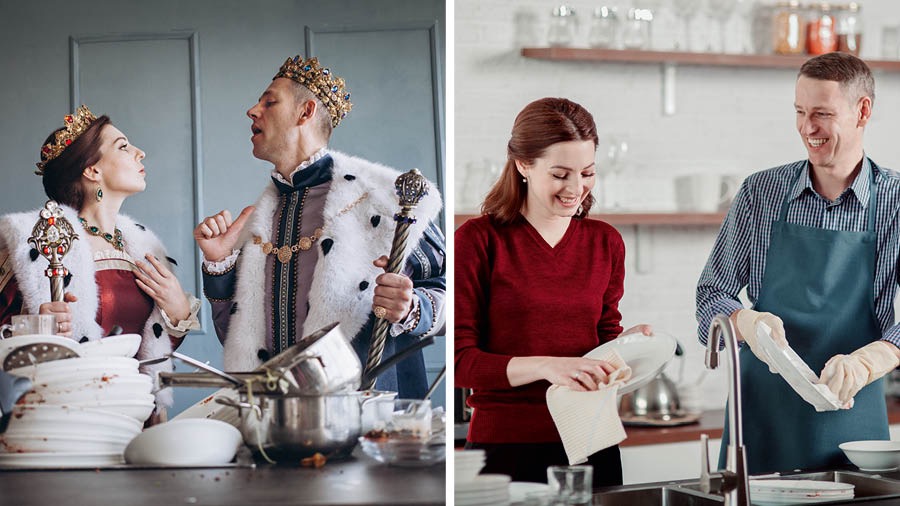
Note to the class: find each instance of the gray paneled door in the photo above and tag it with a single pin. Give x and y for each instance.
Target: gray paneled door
(177, 78)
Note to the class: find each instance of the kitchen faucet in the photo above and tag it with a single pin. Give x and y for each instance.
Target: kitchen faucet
(735, 485)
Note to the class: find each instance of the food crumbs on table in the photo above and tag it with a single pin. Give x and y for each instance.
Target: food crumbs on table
(317, 461)
(218, 479)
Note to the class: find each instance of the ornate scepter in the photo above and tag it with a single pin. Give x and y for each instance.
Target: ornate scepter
(411, 188)
(52, 236)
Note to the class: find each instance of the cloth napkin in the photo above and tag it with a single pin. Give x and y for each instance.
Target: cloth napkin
(589, 421)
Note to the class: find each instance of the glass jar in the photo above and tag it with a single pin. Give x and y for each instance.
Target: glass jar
(604, 28)
(563, 26)
(821, 30)
(849, 28)
(788, 28)
(636, 30)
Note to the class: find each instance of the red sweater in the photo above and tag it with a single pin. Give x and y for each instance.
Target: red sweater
(516, 296)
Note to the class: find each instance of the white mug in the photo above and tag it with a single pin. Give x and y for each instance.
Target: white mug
(704, 193)
(28, 324)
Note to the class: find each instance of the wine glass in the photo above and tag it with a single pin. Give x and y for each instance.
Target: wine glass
(617, 146)
(720, 11)
(685, 10)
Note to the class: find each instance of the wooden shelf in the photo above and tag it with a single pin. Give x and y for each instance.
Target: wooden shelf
(624, 219)
(703, 59)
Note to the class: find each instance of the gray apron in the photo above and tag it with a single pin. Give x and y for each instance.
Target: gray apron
(821, 284)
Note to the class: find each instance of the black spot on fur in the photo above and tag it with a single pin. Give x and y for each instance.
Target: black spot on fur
(67, 279)
(157, 330)
(326, 246)
(363, 285)
(171, 260)
(263, 354)
(83, 339)
(233, 308)
(138, 225)
(349, 177)
(34, 254)
(375, 220)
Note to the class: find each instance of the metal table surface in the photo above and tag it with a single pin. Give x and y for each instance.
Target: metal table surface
(358, 481)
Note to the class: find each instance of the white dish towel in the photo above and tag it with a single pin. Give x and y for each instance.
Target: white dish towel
(589, 421)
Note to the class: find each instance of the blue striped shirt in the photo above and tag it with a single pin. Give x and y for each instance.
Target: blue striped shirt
(738, 258)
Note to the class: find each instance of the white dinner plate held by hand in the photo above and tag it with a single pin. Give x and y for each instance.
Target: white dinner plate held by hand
(796, 372)
(646, 355)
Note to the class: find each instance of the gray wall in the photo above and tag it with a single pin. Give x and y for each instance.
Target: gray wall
(177, 78)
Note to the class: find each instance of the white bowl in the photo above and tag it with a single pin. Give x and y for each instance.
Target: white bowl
(188, 442)
(123, 345)
(873, 455)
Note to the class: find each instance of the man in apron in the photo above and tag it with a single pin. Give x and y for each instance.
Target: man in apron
(815, 243)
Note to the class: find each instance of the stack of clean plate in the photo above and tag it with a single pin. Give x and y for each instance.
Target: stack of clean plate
(776, 492)
(467, 463)
(81, 412)
(483, 490)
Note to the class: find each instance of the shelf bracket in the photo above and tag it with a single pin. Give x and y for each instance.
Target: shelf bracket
(668, 88)
(643, 249)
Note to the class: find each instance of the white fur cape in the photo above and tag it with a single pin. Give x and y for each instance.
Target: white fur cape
(15, 229)
(335, 294)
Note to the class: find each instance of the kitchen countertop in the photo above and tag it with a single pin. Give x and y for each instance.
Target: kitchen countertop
(357, 481)
(710, 423)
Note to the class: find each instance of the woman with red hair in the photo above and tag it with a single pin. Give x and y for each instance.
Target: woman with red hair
(537, 286)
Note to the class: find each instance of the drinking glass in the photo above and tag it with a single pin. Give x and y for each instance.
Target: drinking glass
(604, 28)
(685, 10)
(617, 147)
(29, 324)
(720, 11)
(573, 484)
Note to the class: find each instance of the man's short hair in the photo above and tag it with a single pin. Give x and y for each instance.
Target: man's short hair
(323, 117)
(849, 71)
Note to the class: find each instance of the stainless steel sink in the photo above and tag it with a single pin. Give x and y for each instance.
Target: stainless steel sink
(872, 490)
(669, 495)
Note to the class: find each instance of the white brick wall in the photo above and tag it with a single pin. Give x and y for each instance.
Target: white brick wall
(728, 120)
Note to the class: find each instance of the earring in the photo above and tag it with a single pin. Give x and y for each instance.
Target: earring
(99, 193)
(525, 180)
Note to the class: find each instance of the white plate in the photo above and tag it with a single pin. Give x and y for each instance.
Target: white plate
(122, 345)
(111, 391)
(483, 482)
(796, 373)
(48, 417)
(58, 460)
(139, 408)
(66, 443)
(11, 343)
(519, 489)
(646, 355)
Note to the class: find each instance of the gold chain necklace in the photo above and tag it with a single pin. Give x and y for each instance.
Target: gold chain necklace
(286, 252)
(114, 239)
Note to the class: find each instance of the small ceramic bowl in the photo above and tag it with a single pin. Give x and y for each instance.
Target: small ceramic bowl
(188, 442)
(873, 455)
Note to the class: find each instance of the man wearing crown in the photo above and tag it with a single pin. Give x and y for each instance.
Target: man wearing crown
(312, 250)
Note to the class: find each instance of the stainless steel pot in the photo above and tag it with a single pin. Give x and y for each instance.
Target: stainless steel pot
(657, 400)
(320, 363)
(289, 428)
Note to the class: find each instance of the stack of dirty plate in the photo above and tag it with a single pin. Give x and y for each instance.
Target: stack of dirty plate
(81, 412)
(473, 489)
(775, 492)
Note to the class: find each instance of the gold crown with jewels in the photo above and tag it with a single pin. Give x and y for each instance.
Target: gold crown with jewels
(75, 125)
(329, 88)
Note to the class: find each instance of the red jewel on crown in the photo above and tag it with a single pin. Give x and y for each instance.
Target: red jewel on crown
(69, 118)
(46, 149)
(46, 250)
(68, 142)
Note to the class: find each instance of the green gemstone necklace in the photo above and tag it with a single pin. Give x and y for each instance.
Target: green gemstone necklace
(116, 240)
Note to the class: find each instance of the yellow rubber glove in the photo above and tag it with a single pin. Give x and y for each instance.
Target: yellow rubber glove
(746, 321)
(846, 375)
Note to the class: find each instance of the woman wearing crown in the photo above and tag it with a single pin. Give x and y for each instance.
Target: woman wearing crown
(119, 272)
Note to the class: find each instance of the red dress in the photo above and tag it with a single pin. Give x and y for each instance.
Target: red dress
(121, 302)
